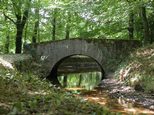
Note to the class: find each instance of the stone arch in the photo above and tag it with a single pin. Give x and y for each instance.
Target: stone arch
(53, 73)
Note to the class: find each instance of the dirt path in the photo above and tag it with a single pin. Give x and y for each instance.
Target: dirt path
(118, 90)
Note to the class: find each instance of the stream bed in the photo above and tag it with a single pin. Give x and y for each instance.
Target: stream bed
(109, 93)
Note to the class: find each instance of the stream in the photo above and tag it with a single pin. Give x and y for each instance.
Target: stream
(88, 86)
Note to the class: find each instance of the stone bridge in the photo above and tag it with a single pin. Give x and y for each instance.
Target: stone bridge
(52, 53)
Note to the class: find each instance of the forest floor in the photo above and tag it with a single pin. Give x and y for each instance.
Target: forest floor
(22, 93)
(26, 94)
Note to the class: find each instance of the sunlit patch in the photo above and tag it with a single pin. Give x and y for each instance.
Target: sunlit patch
(95, 98)
(151, 56)
(77, 88)
(131, 110)
(136, 78)
(145, 52)
(101, 103)
(6, 64)
(36, 93)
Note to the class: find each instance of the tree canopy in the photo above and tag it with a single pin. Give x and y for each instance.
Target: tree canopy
(31, 21)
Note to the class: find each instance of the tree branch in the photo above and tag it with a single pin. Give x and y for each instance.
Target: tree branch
(25, 15)
(9, 18)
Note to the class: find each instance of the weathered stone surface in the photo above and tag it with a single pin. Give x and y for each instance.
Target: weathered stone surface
(101, 50)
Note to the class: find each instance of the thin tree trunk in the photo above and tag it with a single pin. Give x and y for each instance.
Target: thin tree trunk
(146, 26)
(35, 32)
(131, 25)
(54, 29)
(26, 32)
(67, 33)
(80, 79)
(152, 33)
(68, 28)
(38, 23)
(35, 26)
(7, 45)
(151, 29)
(65, 81)
(54, 26)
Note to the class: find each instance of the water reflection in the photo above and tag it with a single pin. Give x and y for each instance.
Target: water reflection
(121, 106)
(85, 85)
(87, 80)
(83, 81)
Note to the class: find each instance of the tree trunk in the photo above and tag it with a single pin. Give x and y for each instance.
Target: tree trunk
(38, 29)
(26, 32)
(67, 33)
(146, 27)
(151, 28)
(35, 26)
(7, 45)
(80, 80)
(65, 81)
(131, 25)
(20, 23)
(35, 32)
(19, 38)
(68, 28)
(54, 25)
(54, 29)
(152, 33)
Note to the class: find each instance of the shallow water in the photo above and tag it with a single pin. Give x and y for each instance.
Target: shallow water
(85, 85)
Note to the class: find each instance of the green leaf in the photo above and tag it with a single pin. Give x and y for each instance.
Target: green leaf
(37, 97)
(22, 99)
(83, 107)
(32, 103)
(66, 112)
(20, 107)
(30, 75)
(105, 112)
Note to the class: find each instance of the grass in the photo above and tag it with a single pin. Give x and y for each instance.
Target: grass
(138, 69)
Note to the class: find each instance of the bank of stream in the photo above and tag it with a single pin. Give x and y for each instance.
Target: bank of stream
(110, 93)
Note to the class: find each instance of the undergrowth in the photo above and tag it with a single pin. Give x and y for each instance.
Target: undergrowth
(27, 94)
(138, 69)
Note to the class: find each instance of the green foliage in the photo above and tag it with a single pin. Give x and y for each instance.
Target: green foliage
(89, 81)
(87, 19)
(137, 70)
(105, 112)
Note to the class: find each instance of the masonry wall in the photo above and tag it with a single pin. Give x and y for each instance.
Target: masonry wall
(101, 50)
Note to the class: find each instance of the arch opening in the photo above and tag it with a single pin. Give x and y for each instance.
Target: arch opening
(54, 72)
